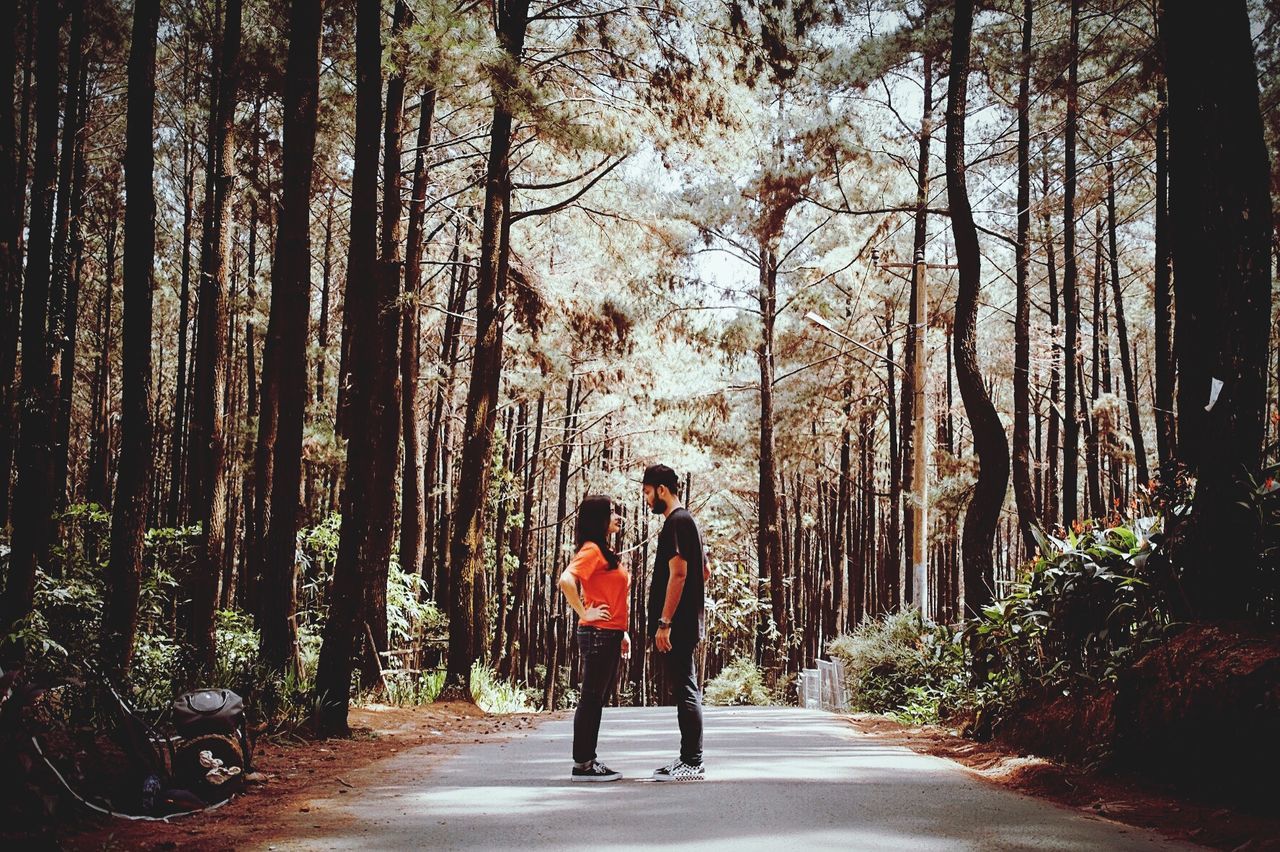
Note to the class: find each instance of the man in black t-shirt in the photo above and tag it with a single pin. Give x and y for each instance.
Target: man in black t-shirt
(677, 615)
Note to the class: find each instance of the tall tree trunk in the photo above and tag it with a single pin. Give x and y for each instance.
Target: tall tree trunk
(372, 321)
(98, 474)
(988, 434)
(1166, 433)
(12, 173)
(1221, 238)
(175, 512)
(555, 633)
(63, 290)
(376, 574)
(1022, 489)
(206, 455)
(129, 515)
(1092, 456)
(1052, 498)
(768, 540)
(520, 583)
(291, 297)
(1122, 333)
(33, 496)
(1071, 296)
(413, 508)
(467, 545)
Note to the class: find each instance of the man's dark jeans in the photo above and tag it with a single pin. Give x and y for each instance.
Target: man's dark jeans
(683, 691)
(601, 650)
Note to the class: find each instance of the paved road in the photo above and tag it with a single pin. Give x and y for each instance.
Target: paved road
(778, 778)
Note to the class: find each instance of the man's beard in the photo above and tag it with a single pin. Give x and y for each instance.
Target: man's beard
(659, 505)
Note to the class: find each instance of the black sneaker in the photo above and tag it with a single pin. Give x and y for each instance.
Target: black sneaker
(594, 771)
(678, 770)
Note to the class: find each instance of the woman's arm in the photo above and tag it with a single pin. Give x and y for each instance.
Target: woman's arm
(569, 586)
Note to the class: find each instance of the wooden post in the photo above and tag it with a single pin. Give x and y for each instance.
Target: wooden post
(920, 450)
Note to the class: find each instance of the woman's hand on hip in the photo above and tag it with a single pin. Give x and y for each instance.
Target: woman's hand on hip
(595, 613)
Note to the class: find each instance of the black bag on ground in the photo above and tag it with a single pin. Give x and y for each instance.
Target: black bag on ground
(208, 711)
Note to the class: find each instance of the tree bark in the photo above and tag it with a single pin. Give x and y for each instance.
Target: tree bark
(1052, 498)
(1022, 489)
(467, 544)
(1122, 333)
(1166, 431)
(12, 173)
(413, 509)
(33, 496)
(1071, 425)
(291, 297)
(206, 454)
(129, 516)
(372, 322)
(768, 535)
(1221, 239)
(989, 440)
(63, 288)
(376, 574)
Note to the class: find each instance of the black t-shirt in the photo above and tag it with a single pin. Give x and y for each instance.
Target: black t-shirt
(679, 537)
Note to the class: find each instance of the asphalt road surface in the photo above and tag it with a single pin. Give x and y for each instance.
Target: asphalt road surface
(777, 778)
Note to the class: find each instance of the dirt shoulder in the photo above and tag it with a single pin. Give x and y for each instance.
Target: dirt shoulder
(298, 771)
(1124, 800)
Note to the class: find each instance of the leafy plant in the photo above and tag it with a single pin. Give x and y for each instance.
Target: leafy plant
(740, 682)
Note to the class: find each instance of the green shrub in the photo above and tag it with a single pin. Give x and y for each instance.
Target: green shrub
(900, 666)
(740, 682)
(1081, 613)
(493, 695)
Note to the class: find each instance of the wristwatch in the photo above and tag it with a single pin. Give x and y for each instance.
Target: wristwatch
(662, 622)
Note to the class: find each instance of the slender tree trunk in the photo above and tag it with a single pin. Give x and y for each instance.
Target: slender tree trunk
(467, 545)
(1092, 456)
(413, 509)
(98, 474)
(174, 512)
(1071, 425)
(1122, 333)
(33, 496)
(63, 290)
(519, 584)
(1022, 489)
(768, 541)
(128, 522)
(372, 322)
(206, 455)
(988, 434)
(376, 573)
(1221, 239)
(291, 297)
(1166, 434)
(1052, 498)
(12, 173)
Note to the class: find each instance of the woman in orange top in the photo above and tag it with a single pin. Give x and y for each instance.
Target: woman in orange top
(602, 634)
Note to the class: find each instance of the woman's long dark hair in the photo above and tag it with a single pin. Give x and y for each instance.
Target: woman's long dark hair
(594, 513)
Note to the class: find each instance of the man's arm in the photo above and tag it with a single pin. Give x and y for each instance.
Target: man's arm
(675, 587)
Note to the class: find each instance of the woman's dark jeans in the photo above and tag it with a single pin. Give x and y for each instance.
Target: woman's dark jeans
(601, 650)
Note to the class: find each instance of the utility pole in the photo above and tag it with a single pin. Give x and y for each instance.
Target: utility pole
(920, 454)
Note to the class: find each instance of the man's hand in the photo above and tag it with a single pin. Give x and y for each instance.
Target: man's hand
(626, 645)
(595, 613)
(663, 639)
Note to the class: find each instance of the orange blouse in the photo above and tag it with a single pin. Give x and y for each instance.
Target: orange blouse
(602, 586)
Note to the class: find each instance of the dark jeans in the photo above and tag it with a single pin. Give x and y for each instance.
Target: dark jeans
(683, 691)
(601, 650)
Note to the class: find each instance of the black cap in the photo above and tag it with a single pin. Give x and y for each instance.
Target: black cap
(660, 474)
